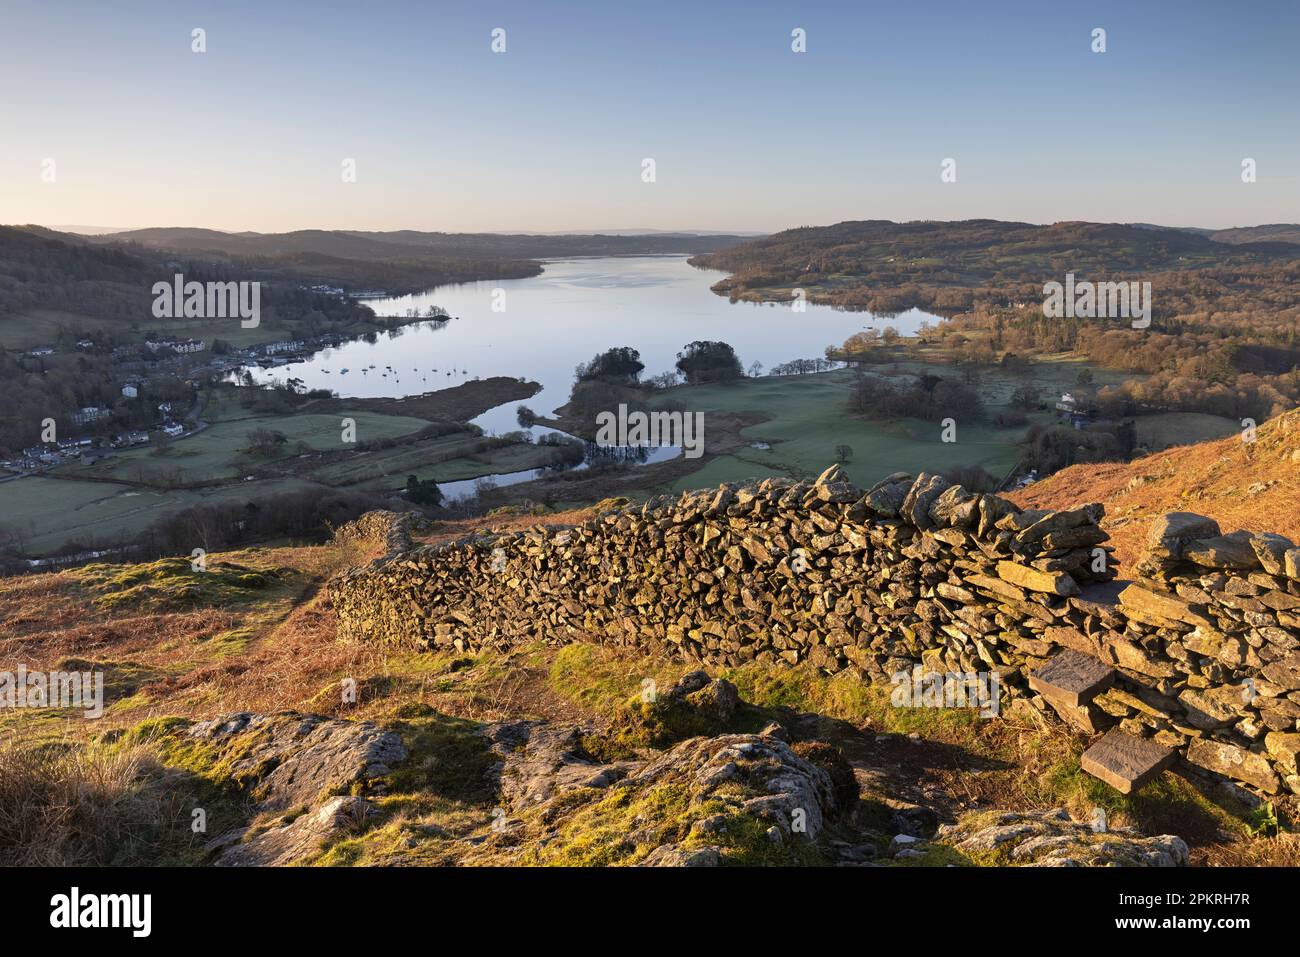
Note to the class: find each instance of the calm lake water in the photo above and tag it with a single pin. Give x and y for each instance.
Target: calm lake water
(573, 310)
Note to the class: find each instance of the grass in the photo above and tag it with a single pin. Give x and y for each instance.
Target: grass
(601, 681)
(806, 418)
(218, 452)
(1166, 429)
(173, 583)
(447, 459)
(172, 654)
(95, 804)
(449, 758)
(50, 514)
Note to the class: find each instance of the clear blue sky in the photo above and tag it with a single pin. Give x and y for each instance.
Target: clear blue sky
(551, 134)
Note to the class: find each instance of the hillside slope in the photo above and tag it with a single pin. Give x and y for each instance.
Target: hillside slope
(217, 679)
(1250, 485)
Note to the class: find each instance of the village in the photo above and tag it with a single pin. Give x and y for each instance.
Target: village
(174, 359)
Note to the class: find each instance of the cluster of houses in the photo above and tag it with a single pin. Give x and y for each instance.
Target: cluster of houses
(279, 353)
(90, 413)
(50, 454)
(183, 347)
(163, 348)
(37, 457)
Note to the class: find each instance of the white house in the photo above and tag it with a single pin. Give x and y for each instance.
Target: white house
(89, 414)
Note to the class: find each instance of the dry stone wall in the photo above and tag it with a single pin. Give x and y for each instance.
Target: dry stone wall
(909, 572)
(388, 530)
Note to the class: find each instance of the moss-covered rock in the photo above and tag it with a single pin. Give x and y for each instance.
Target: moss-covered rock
(177, 583)
(696, 705)
(727, 799)
(1053, 839)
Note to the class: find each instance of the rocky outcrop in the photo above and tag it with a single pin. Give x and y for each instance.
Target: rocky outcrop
(294, 838)
(758, 775)
(311, 770)
(730, 798)
(1205, 640)
(1053, 839)
(538, 761)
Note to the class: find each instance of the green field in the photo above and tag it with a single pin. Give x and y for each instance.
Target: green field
(217, 452)
(47, 514)
(807, 417)
(447, 459)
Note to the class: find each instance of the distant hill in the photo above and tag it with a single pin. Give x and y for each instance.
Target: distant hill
(355, 263)
(945, 266)
(1276, 233)
(396, 262)
(39, 267)
(58, 284)
(417, 245)
(977, 248)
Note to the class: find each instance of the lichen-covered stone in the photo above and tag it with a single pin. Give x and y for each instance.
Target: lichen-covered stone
(1053, 839)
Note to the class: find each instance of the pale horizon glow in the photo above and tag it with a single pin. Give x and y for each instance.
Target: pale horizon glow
(550, 135)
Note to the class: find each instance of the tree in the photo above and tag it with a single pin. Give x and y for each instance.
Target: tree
(265, 442)
(865, 341)
(1025, 397)
(422, 493)
(620, 364)
(708, 361)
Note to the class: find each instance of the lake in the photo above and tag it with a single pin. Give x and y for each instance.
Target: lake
(572, 311)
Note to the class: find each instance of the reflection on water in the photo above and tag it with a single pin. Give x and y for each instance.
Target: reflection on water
(595, 456)
(552, 322)
(542, 327)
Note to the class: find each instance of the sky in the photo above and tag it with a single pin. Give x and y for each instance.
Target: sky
(109, 118)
